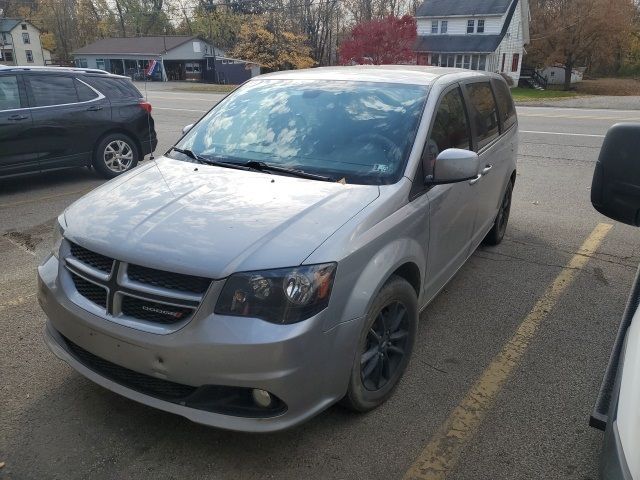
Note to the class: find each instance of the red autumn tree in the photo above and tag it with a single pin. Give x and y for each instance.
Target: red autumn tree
(380, 42)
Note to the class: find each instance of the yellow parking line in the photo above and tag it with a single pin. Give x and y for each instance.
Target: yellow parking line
(439, 457)
(42, 199)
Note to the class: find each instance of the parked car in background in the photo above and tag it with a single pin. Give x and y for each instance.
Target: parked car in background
(53, 118)
(276, 259)
(615, 192)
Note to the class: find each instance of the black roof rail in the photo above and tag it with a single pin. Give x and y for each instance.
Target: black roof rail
(7, 68)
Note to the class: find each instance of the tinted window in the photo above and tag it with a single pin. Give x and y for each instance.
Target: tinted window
(9, 93)
(115, 88)
(505, 103)
(359, 131)
(450, 128)
(84, 93)
(52, 90)
(484, 113)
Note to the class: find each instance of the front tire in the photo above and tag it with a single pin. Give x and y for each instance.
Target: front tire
(384, 346)
(496, 234)
(115, 154)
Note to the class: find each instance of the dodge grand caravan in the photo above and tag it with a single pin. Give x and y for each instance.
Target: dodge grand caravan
(275, 260)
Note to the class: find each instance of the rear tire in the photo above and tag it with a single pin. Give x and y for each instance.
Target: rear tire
(496, 234)
(384, 346)
(115, 154)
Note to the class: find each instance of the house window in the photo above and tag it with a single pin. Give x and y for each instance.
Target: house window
(482, 62)
(504, 55)
(6, 39)
(474, 62)
(466, 61)
(480, 26)
(434, 26)
(100, 63)
(25, 38)
(458, 61)
(81, 62)
(29, 54)
(515, 62)
(470, 25)
(24, 26)
(443, 26)
(8, 56)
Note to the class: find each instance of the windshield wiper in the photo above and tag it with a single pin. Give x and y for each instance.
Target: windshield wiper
(208, 161)
(265, 167)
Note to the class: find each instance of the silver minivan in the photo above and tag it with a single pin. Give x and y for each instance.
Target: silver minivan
(276, 259)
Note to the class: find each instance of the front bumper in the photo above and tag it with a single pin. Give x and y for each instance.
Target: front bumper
(304, 366)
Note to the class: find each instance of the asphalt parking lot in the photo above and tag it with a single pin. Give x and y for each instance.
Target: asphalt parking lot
(533, 424)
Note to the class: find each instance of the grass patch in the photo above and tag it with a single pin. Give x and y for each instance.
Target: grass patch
(528, 94)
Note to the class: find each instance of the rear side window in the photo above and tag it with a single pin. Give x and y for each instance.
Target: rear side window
(450, 128)
(9, 92)
(505, 103)
(52, 90)
(115, 88)
(483, 112)
(85, 93)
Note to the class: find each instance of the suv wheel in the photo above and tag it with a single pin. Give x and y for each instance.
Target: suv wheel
(115, 154)
(496, 234)
(384, 347)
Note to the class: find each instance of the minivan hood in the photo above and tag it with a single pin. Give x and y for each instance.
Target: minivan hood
(211, 221)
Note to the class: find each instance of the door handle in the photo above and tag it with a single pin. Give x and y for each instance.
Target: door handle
(486, 169)
(94, 108)
(17, 118)
(475, 180)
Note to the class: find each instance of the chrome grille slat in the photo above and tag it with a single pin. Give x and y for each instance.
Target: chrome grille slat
(151, 296)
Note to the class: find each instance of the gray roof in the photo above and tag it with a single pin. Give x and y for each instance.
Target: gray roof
(478, 42)
(458, 43)
(443, 8)
(8, 24)
(134, 45)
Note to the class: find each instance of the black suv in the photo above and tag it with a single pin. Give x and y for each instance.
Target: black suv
(53, 118)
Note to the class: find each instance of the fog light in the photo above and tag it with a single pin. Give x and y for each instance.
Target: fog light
(261, 397)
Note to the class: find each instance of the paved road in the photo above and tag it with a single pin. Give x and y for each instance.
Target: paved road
(56, 424)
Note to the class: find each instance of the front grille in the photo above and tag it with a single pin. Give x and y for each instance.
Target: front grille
(153, 311)
(90, 290)
(137, 381)
(92, 259)
(211, 398)
(168, 280)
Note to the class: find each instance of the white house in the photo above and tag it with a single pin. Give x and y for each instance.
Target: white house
(20, 44)
(485, 35)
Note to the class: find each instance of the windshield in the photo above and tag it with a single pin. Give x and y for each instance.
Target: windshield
(359, 131)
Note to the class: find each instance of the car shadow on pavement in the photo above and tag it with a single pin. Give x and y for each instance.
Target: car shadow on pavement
(59, 179)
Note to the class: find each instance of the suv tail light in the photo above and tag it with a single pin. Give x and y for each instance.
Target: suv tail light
(146, 106)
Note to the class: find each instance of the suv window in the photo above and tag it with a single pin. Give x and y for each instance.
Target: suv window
(114, 87)
(450, 128)
(84, 93)
(52, 90)
(9, 92)
(484, 113)
(505, 103)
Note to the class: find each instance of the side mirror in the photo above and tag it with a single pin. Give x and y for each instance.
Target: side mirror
(186, 128)
(615, 189)
(454, 165)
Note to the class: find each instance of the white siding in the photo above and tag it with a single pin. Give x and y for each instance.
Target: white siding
(511, 44)
(20, 48)
(458, 25)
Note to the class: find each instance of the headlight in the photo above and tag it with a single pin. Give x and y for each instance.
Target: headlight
(285, 295)
(58, 233)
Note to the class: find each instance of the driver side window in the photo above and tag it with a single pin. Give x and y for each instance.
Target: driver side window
(450, 129)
